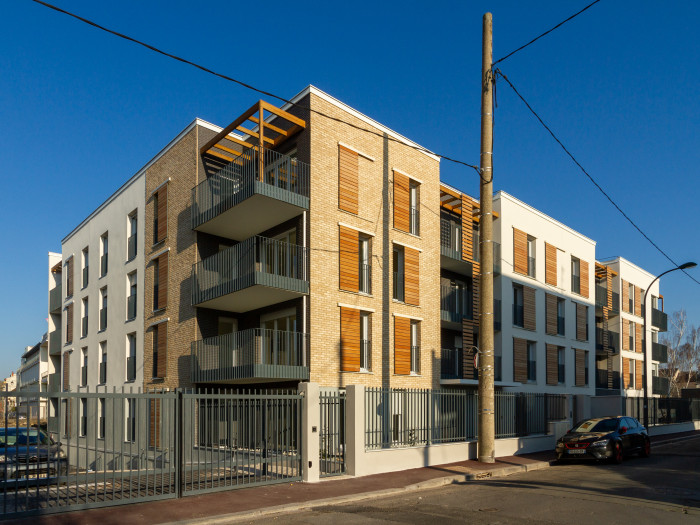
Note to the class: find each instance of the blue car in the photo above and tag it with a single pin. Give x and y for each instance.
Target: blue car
(30, 453)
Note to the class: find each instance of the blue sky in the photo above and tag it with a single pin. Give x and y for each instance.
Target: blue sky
(82, 110)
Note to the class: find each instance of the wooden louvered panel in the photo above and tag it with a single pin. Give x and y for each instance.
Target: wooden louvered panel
(584, 278)
(154, 427)
(529, 309)
(66, 371)
(625, 335)
(69, 323)
(552, 364)
(401, 202)
(412, 276)
(162, 363)
(551, 314)
(519, 251)
(608, 278)
(625, 296)
(638, 346)
(519, 360)
(625, 372)
(550, 259)
(70, 276)
(467, 226)
(638, 377)
(162, 212)
(580, 356)
(163, 281)
(348, 180)
(468, 351)
(637, 301)
(349, 259)
(581, 315)
(402, 346)
(350, 340)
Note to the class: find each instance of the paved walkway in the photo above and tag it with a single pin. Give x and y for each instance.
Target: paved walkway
(223, 507)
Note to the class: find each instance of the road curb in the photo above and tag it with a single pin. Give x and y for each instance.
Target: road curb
(351, 498)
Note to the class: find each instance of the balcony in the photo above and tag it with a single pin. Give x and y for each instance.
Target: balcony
(659, 352)
(451, 363)
(603, 387)
(239, 201)
(55, 342)
(255, 273)
(454, 304)
(55, 382)
(659, 319)
(660, 385)
(613, 340)
(251, 355)
(451, 247)
(55, 300)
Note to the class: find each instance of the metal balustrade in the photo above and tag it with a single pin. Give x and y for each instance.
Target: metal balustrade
(451, 363)
(659, 319)
(55, 299)
(659, 352)
(455, 303)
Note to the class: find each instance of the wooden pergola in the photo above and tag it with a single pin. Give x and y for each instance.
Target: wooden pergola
(265, 135)
(451, 201)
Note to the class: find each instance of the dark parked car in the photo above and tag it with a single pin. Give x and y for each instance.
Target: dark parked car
(30, 452)
(606, 438)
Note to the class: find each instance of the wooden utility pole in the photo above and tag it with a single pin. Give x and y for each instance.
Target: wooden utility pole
(486, 423)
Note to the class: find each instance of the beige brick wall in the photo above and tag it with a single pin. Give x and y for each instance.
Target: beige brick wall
(375, 216)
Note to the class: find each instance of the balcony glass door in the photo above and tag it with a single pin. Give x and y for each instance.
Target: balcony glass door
(279, 344)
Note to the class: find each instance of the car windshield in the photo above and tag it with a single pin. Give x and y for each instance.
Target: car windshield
(596, 425)
(10, 437)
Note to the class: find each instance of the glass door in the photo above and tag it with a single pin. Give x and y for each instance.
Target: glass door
(280, 345)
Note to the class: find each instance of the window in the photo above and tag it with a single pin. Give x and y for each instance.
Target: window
(365, 342)
(399, 277)
(585, 367)
(365, 266)
(101, 414)
(518, 306)
(83, 417)
(131, 357)
(86, 266)
(531, 256)
(632, 330)
(68, 265)
(84, 320)
(633, 374)
(131, 242)
(155, 218)
(575, 275)
(156, 279)
(160, 214)
(103, 362)
(130, 421)
(561, 321)
(531, 361)
(630, 291)
(155, 352)
(104, 247)
(84, 368)
(131, 299)
(561, 370)
(406, 203)
(103, 309)
(413, 206)
(415, 347)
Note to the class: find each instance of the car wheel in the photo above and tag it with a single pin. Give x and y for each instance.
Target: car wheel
(646, 449)
(617, 453)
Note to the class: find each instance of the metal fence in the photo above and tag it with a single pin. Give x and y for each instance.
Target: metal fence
(95, 449)
(332, 435)
(664, 410)
(407, 418)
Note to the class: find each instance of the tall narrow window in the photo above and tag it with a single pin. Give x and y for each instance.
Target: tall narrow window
(365, 342)
(531, 261)
(103, 309)
(131, 299)
(365, 266)
(561, 371)
(86, 266)
(131, 357)
(102, 418)
(155, 352)
(84, 368)
(415, 347)
(561, 320)
(518, 306)
(575, 275)
(104, 261)
(630, 291)
(399, 275)
(531, 361)
(156, 279)
(414, 207)
(83, 417)
(84, 320)
(632, 331)
(130, 421)
(131, 243)
(103, 362)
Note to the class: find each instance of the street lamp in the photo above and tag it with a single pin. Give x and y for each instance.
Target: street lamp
(684, 266)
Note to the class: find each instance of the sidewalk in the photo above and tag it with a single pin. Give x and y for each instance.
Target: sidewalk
(256, 502)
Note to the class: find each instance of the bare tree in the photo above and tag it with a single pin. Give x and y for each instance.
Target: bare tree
(683, 342)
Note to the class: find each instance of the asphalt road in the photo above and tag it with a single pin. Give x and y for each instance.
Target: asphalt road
(662, 489)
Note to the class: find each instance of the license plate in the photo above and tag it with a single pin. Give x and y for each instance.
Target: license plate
(577, 451)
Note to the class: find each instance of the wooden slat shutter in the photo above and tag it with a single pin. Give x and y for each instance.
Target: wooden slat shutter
(638, 346)
(162, 212)
(349, 340)
(550, 259)
(625, 296)
(468, 248)
(551, 313)
(69, 323)
(625, 335)
(163, 280)
(349, 259)
(529, 309)
(519, 360)
(154, 427)
(162, 349)
(625, 372)
(412, 276)
(581, 314)
(552, 364)
(519, 251)
(583, 265)
(66, 371)
(348, 176)
(70, 276)
(401, 202)
(637, 301)
(402, 346)
(638, 376)
(580, 356)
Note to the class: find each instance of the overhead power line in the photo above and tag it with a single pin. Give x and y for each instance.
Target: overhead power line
(249, 86)
(499, 73)
(545, 33)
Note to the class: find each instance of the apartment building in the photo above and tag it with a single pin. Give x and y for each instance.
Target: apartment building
(620, 338)
(32, 376)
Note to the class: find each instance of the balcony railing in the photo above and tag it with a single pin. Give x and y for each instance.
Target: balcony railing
(55, 382)
(257, 261)
(131, 247)
(613, 339)
(131, 368)
(451, 363)
(103, 372)
(131, 307)
(601, 379)
(414, 218)
(283, 178)
(660, 385)
(659, 319)
(601, 296)
(365, 278)
(55, 342)
(55, 299)
(103, 318)
(454, 304)
(103, 264)
(496, 254)
(254, 353)
(450, 239)
(659, 352)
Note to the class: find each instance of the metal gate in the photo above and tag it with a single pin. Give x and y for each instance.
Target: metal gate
(239, 440)
(332, 436)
